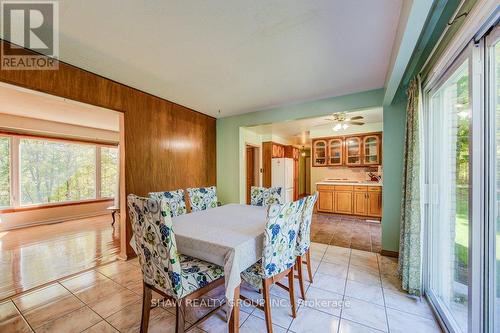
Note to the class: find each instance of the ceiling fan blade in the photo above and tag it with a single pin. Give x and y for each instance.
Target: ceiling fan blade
(356, 123)
(356, 117)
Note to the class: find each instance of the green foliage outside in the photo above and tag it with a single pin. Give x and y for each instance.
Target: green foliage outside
(4, 172)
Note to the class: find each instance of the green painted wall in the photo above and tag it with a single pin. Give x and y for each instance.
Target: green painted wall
(392, 160)
(228, 132)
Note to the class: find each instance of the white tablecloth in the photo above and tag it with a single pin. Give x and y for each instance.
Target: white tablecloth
(230, 236)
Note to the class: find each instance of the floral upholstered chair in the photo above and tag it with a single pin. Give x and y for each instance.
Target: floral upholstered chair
(202, 198)
(175, 200)
(304, 241)
(175, 276)
(278, 260)
(262, 196)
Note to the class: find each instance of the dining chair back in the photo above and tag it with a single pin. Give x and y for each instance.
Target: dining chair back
(202, 198)
(174, 276)
(263, 196)
(175, 200)
(304, 237)
(280, 237)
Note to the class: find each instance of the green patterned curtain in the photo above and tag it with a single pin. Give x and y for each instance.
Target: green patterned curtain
(410, 254)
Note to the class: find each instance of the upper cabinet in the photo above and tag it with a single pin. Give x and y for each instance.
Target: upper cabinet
(353, 150)
(356, 150)
(319, 153)
(278, 151)
(335, 156)
(371, 150)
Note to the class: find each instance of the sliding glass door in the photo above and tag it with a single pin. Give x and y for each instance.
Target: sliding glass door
(449, 120)
(493, 96)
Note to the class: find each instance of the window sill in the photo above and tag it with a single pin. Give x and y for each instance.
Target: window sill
(54, 205)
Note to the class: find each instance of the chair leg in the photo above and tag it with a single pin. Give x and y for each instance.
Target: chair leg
(180, 315)
(309, 269)
(291, 289)
(298, 263)
(146, 307)
(266, 283)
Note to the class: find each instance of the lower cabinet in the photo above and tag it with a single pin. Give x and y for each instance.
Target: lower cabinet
(352, 200)
(343, 202)
(325, 201)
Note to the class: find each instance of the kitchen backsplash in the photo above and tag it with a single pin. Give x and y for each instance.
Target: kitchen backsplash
(350, 173)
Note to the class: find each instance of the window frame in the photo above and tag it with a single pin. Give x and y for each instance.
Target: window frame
(15, 164)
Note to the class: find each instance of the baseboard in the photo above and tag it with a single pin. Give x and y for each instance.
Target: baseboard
(387, 253)
(53, 221)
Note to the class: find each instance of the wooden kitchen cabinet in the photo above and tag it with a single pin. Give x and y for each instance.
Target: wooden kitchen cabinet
(360, 203)
(371, 150)
(343, 202)
(319, 153)
(350, 200)
(353, 150)
(335, 152)
(357, 150)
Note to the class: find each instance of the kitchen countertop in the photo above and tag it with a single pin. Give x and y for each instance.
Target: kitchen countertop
(363, 183)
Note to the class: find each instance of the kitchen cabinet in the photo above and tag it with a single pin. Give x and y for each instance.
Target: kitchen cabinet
(350, 200)
(352, 151)
(319, 153)
(335, 155)
(371, 150)
(343, 201)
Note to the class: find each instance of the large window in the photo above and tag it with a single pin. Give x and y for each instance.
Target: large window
(4, 171)
(47, 171)
(109, 171)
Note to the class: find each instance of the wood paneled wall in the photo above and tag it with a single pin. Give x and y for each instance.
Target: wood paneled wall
(167, 146)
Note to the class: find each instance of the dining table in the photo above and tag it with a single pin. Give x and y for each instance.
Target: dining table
(230, 236)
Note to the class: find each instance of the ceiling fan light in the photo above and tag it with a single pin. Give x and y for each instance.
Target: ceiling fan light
(345, 126)
(337, 127)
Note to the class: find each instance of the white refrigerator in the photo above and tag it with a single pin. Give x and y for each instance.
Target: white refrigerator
(282, 176)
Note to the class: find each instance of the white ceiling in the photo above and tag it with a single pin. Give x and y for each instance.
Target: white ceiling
(26, 103)
(236, 56)
(297, 131)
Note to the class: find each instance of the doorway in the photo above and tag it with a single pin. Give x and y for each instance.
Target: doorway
(252, 156)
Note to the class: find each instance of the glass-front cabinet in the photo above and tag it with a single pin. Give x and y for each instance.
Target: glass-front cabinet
(371, 150)
(353, 151)
(335, 152)
(319, 153)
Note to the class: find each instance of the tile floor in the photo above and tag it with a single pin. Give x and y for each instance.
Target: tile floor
(353, 291)
(346, 231)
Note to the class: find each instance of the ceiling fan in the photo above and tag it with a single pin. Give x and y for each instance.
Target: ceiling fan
(342, 121)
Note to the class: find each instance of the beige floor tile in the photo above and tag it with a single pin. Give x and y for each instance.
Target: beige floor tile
(365, 313)
(255, 324)
(362, 275)
(128, 319)
(368, 293)
(132, 280)
(363, 254)
(98, 291)
(101, 327)
(391, 283)
(114, 302)
(336, 258)
(404, 302)
(117, 267)
(216, 323)
(337, 250)
(309, 320)
(408, 323)
(75, 321)
(329, 283)
(83, 281)
(323, 300)
(281, 311)
(367, 263)
(347, 326)
(336, 270)
(44, 305)
(11, 320)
